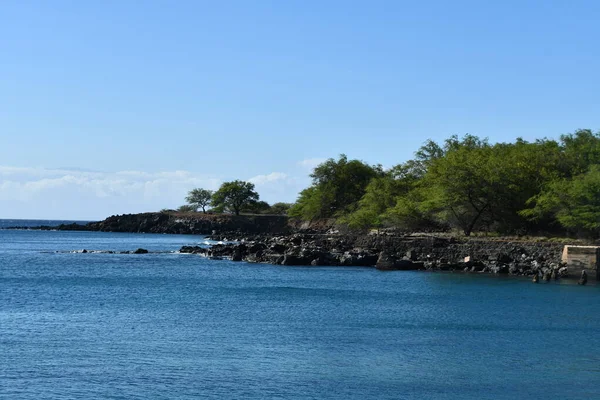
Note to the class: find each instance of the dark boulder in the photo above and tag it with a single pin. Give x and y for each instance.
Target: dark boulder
(289, 259)
(193, 250)
(563, 272)
(278, 248)
(256, 247)
(141, 251)
(499, 269)
(405, 265)
(237, 255)
(412, 255)
(385, 261)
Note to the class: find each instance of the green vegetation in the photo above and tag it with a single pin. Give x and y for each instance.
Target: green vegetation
(186, 208)
(465, 183)
(574, 203)
(234, 196)
(280, 208)
(336, 190)
(509, 188)
(199, 198)
(256, 207)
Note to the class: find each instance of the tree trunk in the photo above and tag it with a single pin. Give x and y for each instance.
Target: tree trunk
(471, 226)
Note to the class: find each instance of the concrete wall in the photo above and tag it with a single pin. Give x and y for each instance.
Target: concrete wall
(580, 258)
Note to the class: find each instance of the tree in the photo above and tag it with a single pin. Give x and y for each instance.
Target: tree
(478, 185)
(256, 207)
(381, 194)
(233, 196)
(581, 150)
(520, 170)
(337, 187)
(575, 203)
(459, 187)
(199, 198)
(280, 208)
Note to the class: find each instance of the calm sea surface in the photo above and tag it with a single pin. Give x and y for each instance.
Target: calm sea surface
(171, 326)
(30, 223)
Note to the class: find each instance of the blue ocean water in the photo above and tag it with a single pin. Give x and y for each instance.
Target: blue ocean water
(171, 326)
(30, 223)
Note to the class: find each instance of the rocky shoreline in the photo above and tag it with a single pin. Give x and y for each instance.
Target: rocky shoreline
(277, 240)
(406, 253)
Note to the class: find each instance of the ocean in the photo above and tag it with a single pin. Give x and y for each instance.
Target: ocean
(163, 325)
(31, 223)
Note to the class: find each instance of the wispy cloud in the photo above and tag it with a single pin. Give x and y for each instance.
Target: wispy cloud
(311, 163)
(24, 182)
(272, 177)
(74, 193)
(81, 194)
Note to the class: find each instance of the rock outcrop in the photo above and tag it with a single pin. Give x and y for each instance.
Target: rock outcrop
(200, 224)
(395, 253)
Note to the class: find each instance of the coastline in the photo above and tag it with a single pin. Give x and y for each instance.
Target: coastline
(395, 253)
(276, 240)
(184, 223)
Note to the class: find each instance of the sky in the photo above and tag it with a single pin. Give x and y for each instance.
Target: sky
(110, 107)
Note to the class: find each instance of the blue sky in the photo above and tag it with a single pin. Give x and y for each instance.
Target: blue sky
(122, 106)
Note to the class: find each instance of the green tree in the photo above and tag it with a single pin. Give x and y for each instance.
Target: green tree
(233, 196)
(382, 194)
(280, 208)
(199, 198)
(575, 203)
(466, 183)
(256, 207)
(337, 186)
(580, 151)
(519, 170)
(477, 185)
(458, 186)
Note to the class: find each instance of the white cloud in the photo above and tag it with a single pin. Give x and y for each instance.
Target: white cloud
(311, 163)
(272, 177)
(79, 194)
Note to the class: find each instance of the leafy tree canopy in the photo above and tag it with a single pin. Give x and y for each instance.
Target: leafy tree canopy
(234, 196)
(256, 207)
(280, 208)
(575, 203)
(337, 186)
(461, 183)
(199, 198)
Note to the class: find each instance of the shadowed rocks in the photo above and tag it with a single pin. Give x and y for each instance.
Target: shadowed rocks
(400, 253)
